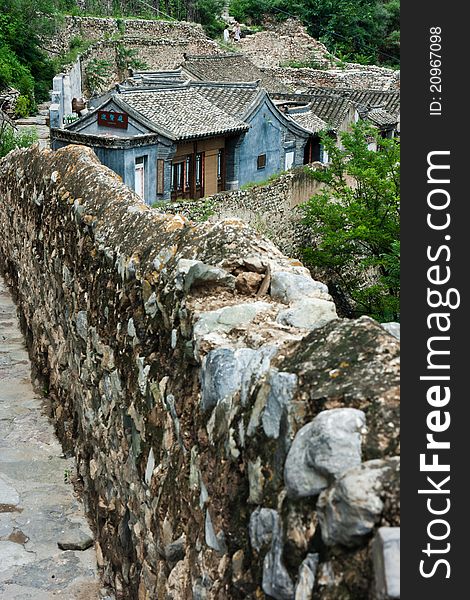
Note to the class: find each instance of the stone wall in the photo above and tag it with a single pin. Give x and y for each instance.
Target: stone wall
(219, 413)
(352, 76)
(286, 42)
(156, 54)
(274, 48)
(269, 208)
(104, 29)
(161, 45)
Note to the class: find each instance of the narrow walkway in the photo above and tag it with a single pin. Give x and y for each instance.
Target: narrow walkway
(38, 507)
(37, 122)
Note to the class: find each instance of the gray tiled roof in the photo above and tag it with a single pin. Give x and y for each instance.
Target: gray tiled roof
(332, 109)
(234, 98)
(307, 119)
(182, 113)
(381, 117)
(230, 67)
(155, 78)
(388, 99)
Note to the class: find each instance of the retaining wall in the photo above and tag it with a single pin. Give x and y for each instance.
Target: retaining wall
(218, 410)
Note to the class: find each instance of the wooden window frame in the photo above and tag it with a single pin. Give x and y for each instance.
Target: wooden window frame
(261, 162)
(177, 176)
(199, 172)
(160, 176)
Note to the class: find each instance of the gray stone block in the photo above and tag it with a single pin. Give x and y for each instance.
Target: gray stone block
(276, 579)
(349, 510)
(289, 287)
(322, 450)
(392, 328)
(282, 387)
(82, 324)
(75, 539)
(226, 371)
(176, 550)
(206, 275)
(227, 318)
(310, 313)
(306, 580)
(220, 377)
(386, 561)
(213, 540)
(263, 522)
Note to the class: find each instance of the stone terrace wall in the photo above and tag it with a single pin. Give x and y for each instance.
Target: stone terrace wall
(103, 29)
(218, 410)
(158, 54)
(161, 45)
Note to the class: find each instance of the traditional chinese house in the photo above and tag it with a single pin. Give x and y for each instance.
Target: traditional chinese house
(188, 139)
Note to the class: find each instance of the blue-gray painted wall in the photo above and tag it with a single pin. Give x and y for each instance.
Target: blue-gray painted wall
(268, 134)
(122, 162)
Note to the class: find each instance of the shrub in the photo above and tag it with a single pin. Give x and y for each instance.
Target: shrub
(11, 139)
(97, 73)
(23, 107)
(355, 222)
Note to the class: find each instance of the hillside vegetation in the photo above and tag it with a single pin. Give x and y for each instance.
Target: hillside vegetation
(364, 31)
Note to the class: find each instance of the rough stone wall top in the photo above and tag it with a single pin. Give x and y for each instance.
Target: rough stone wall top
(352, 76)
(268, 208)
(218, 409)
(285, 42)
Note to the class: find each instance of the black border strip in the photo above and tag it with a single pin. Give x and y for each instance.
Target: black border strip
(429, 128)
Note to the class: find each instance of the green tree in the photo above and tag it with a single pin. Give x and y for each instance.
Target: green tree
(127, 58)
(97, 72)
(23, 27)
(207, 12)
(355, 222)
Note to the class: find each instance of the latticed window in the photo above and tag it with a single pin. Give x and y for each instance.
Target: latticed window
(177, 178)
(187, 173)
(220, 164)
(199, 169)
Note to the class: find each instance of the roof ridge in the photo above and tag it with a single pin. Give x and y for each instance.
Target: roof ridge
(227, 84)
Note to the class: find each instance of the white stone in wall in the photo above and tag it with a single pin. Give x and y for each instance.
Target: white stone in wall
(386, 561)
(310, 313)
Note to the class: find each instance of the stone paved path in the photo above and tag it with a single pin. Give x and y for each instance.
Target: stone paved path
(37, 122)
(38, 506)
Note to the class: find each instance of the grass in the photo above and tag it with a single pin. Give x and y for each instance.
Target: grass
(254, 184)
(11, 139)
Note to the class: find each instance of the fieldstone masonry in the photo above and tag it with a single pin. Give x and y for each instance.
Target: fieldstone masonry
(288, 42)
(350, 76)
(160, 45)
(181, 392)
(270, 208)
(98, 29)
